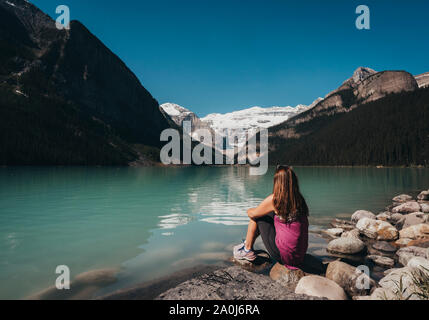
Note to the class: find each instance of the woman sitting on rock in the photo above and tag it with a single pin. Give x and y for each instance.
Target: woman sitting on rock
(281, 220)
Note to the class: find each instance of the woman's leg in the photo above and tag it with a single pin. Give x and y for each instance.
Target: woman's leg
(267, 231)
(252, 234)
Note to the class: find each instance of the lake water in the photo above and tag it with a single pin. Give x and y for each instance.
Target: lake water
(150, 222)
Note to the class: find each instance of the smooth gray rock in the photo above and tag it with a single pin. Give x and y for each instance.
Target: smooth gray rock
(318, 286)
(407, 253)
(407, 207)
(414, 218)
(402, 198)
(419, 262)
(347, 245)
(391, 284)
(349, 278)
(417, 231)
(377, 229)
(232, 283)
(362, 214)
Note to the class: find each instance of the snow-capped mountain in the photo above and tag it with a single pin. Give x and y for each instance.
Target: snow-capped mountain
(179, 114)
(176, 112)
(237, 123)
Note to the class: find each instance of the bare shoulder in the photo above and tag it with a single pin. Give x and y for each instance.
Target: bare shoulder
(269, 201)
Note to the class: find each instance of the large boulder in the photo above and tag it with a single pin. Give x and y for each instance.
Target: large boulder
(420, 263)
(413, 219)
(362, 214)
(402, 198)
(399, 284)
(318, 286)
(351, 279)
(418, 231)
(346, 245)
(377, 229)
(407, 253)
(407, 207)
(424, 195)
(285, 276)
(232, 283)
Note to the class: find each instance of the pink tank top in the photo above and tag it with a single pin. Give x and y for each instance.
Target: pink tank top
(292, 241)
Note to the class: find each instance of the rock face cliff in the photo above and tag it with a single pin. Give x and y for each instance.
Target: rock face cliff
(364, 86)
(75, 71)
(423, 80)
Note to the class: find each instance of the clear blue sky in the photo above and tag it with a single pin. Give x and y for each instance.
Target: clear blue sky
(224, 55)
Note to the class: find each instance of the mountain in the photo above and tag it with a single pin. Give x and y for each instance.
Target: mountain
(238, 123)
(178, 114)
(374, 118)
(364, 86)
(235, 123)
(66, 98)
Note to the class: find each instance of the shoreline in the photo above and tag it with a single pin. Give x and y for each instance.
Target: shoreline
(393, 244)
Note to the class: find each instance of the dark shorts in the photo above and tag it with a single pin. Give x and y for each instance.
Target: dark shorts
(267, 231)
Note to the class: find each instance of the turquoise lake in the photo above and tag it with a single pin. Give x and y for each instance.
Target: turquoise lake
(151, 222)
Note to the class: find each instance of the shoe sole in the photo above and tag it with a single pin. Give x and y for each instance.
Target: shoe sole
(247, 259)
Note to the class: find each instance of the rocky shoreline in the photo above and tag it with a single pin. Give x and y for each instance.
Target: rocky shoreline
(390, 247)
(373, 257)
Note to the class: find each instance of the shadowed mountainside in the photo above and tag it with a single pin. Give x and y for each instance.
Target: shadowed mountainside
(390, 131)
(66, 99)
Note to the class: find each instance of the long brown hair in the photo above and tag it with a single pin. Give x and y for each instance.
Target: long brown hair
(287, 199)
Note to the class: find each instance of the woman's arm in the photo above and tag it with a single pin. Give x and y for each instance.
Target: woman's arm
(264, 208)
